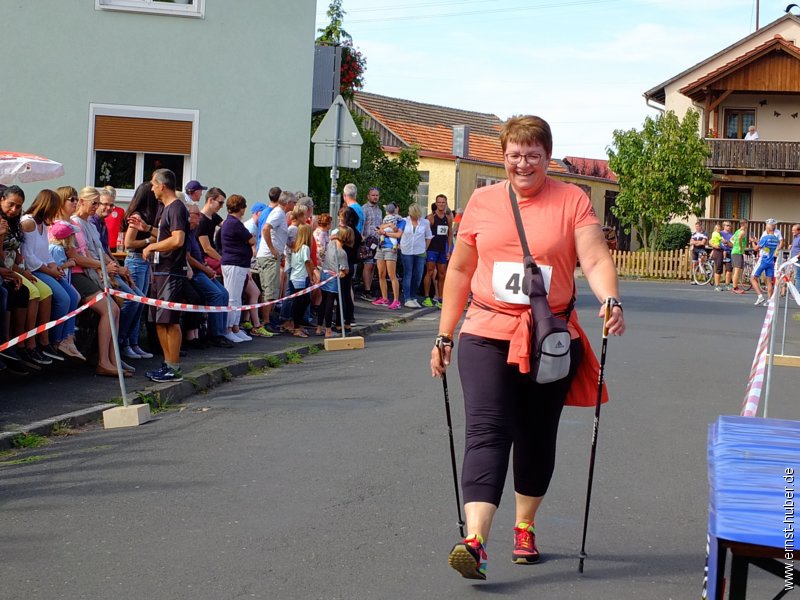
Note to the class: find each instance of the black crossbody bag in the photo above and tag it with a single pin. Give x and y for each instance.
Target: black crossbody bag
(550, 338)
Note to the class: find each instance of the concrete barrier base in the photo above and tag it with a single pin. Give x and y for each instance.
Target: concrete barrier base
(355, 342)
(126, 416)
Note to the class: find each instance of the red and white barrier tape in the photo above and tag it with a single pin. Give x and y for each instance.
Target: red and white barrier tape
(41, 328)
(755, 382)
(203, 309)
(158, 303)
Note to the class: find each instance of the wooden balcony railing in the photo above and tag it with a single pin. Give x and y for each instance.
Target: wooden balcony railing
(756, 155)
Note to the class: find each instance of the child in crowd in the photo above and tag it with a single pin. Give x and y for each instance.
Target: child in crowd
(335, 262)
(62, 236)
(389, 225)
(322, 236)
(301, 275)
(296, 217)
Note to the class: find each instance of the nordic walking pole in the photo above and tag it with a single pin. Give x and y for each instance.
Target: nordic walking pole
(450, 433)
(597, 403)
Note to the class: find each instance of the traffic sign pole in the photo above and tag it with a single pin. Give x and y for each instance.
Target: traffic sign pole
(333, 209)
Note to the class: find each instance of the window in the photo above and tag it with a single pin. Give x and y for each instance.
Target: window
(128, 143)
(587, 189)
(735, 203)
(181, 8)
(484, 180)
(737, 121)
(422, 189)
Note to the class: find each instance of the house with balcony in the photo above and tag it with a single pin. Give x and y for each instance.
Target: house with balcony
(215, 90)
(755, 81)
(459, 150)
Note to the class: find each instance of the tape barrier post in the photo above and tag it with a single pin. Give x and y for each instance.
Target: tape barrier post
(114, 333)
(757, 372)
(341, 306)
(781, 276)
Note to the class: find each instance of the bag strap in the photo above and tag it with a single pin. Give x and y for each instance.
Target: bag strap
(526, 250)
(520, 229)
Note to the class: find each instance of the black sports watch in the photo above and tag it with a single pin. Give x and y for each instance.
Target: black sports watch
(614, 303)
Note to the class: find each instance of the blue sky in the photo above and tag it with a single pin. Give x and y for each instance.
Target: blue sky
(583, 65)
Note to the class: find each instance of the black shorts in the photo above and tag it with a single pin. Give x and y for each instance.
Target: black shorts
(720, 264)
(86, 286)
(17, 298)
(738, 261)
(696, 252)
(168, 288)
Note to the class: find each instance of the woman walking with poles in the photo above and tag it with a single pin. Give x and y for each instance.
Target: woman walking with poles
(505, 406)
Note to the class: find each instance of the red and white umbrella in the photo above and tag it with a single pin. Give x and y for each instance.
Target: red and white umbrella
(16, 167)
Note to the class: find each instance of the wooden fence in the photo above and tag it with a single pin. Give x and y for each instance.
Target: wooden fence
(666, 264)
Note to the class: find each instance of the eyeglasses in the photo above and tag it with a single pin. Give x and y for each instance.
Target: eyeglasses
(111, 204)
(72, 199)
(94, 203)
(514, 158)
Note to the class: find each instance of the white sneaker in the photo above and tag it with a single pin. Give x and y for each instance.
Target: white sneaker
(231, 337)
(141, 352)
(411, 304)
(760, 300)
(243, 337)
(127, 352)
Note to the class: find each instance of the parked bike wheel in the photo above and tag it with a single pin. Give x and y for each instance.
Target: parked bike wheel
(747, 273)
(703, 273)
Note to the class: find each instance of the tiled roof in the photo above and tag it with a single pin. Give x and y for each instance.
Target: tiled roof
(777, 42)
(431, 127)
(591, 167)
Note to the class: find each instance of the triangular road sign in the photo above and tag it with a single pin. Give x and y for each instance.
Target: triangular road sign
(348, 132)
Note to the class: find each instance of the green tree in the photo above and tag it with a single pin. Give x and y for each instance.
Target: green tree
(397, 178)
(661, 172)
(354, 64)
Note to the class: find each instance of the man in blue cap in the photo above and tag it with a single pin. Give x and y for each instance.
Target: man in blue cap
(255, 214)
(194, 190)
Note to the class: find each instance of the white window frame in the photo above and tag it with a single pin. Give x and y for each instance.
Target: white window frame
(196, 9)
(487, 180)
(150, 112)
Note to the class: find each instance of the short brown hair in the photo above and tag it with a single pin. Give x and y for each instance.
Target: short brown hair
(346, 236)
(235, 203)
(527, 129)
(324, 220)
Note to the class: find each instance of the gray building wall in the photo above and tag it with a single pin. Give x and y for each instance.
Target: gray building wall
(247, 67)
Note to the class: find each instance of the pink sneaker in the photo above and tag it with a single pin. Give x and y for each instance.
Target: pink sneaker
(380, 302)
(395, 305)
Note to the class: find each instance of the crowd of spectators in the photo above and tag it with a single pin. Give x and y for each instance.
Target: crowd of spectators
(176, 247)
(728, 249)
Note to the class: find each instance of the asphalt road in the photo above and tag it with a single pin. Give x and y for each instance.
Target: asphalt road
(331, 478)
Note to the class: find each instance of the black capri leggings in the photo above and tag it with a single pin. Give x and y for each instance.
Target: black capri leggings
(504, 408)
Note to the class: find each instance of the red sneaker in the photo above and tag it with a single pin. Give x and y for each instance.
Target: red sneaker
(525, 551)
(469, 557)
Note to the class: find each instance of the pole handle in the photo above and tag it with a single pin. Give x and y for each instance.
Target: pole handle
(608, 306)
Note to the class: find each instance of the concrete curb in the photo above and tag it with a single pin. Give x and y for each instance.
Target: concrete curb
(196, 381)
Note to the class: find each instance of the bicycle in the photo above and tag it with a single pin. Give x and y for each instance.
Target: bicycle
(747, 270)
(703, 271)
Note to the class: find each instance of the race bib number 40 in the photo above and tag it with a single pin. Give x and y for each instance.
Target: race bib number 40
(507, 282)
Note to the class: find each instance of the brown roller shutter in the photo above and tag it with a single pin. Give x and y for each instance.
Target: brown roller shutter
(142, 135)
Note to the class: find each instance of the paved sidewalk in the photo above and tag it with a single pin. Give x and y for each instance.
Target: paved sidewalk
(71, 391)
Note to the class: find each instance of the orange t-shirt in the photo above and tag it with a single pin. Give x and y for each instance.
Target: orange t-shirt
(550, 220)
